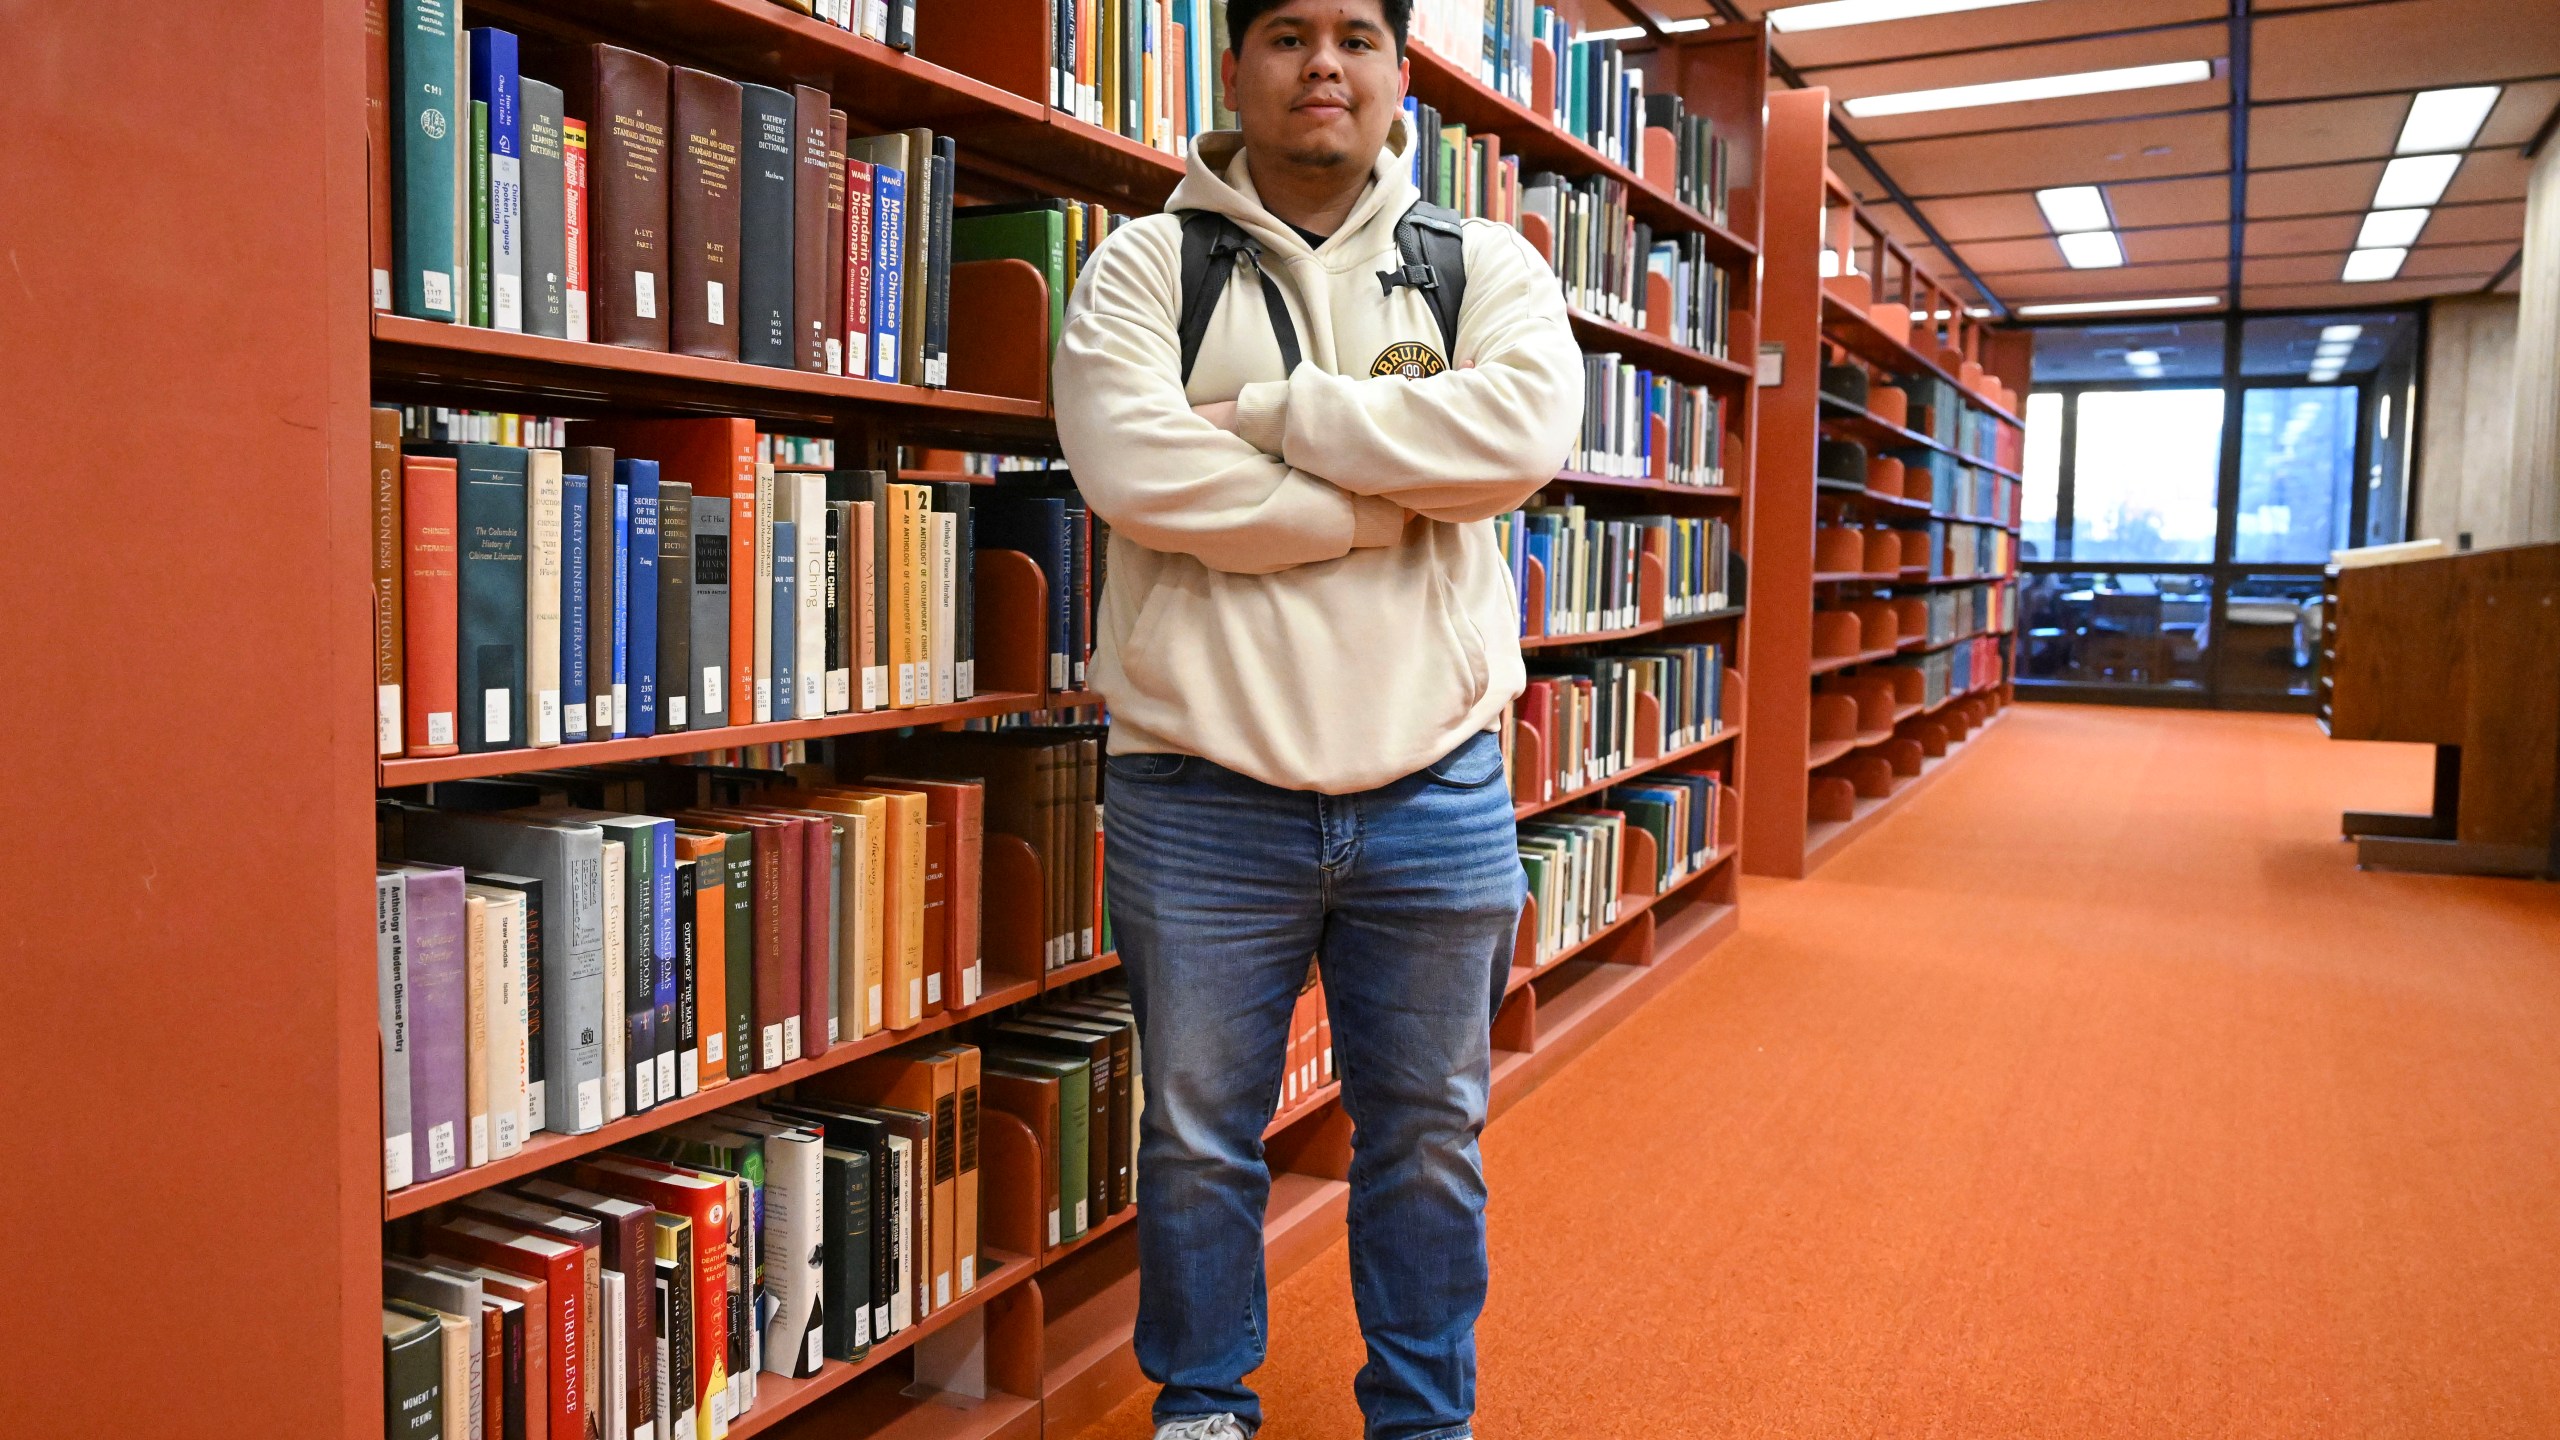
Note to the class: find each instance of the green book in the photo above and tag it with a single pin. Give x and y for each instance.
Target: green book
(1075, 1128)
(480, 212)
(1004, 232)
(423, 149)
(738, 868)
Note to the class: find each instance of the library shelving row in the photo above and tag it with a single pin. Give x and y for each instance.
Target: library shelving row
(1041, 1346)
(1886, 514)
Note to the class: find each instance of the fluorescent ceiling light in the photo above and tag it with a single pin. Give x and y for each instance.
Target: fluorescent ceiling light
(2042, 87)
(2445, 119)
(2414, 182)
(2102, 307)
(2074, 207)
(2334, 333)
(2338, 351)
(2323, 376)
(2091, 249)
(2140, 358)
(2374, 264)
(1923, 317)
(1637, 32)
(1834, 13)
(2391, 227)
(2147, 372)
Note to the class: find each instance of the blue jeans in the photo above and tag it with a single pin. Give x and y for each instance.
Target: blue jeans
(1407, 896)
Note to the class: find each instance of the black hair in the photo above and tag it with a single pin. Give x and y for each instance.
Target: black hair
(1242, 13)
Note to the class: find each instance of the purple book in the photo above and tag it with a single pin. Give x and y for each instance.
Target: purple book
(438, 986)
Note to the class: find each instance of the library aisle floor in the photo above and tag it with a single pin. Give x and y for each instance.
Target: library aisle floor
(2094, 1095)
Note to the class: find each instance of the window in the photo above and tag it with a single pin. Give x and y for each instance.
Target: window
(2036, 506)
(2144, 475)
(2297, 473)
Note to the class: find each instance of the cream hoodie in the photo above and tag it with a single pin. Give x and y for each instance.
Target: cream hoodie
(1272, 606)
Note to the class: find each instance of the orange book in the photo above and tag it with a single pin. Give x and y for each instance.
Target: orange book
(959, 807)
(924, 1078)
(716, 456)
(902, 904)
(430, 603)
(708, 850)
(703, 1200)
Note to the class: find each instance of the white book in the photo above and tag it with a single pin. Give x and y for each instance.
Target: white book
(945, 588)
(764, 591)
(507, 1052)
(613, 1354)
(616, 976)
(478, 941)
(854, 998)
(794, 1239)
(902, 1234)
(808, 507)
(542, 596)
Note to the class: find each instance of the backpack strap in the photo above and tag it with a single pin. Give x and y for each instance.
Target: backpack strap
(1210, 244)
(1431, 246)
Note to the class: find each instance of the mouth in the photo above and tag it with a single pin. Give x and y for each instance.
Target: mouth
(1323, 107)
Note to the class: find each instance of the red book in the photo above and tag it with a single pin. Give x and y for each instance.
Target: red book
(715, 457)
(705, 1201)
(777, 929)
(959, 807)
(808, 874)
(430, 603)
(561, 1267)
(535, 1298)
(573, 169)
(857, 267)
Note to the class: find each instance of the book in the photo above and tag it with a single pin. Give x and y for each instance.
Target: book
(497, 939)
(377, 147)
(887, 157)
(490, 576)
(558, 1308)
(638, 480)
(688, 1013)
(857, 261)
(766, 213)
(785, 656)
(1036, 234)
(546, 227)
(573, 186)
(430, 603)
(796, 1244)
(389, 544)
(800, 497)
(846, 1193)
(622, 95)
(708, 689)
(839, 686)
(831, 312)
(628, 1244)
(391, 982)
(429, 123)
(438, 969)
(675, 605)
(916, 258)
(703, 212)
(494, 80)
(544, 557)
(717, 457)
(596, 620)
(413, 1398)
(707, 853)
(946, 171)
(809, 230)
(575, 535)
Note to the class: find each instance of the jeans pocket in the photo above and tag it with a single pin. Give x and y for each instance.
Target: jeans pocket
(1476, 762)
(1150, 766)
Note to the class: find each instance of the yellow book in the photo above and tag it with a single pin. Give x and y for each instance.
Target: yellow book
(904, 594)
(1106, 60)
(902, 907)
(861, 1010)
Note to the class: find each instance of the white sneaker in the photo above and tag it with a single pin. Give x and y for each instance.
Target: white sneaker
(1202, 1427)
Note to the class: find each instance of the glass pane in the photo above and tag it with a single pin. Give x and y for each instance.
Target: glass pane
(2297, 460)
(2144, 475)
(2115, 628)
(2044, 475)
(2271, 624)
(2128, 351)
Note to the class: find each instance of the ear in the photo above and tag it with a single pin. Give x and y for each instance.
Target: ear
(1227, 78)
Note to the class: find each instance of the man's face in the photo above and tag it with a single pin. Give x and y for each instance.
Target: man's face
(1317, 84)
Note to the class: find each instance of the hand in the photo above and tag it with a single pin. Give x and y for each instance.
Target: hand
(1221, 413)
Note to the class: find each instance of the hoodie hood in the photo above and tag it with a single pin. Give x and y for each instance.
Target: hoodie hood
(1217, 179)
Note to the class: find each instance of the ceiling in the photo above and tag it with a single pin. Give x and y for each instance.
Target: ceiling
(2327, 84)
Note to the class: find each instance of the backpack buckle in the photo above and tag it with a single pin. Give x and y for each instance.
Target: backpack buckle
(1420, 277)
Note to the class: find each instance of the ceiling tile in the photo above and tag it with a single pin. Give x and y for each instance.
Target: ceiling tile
(2316, 190)
(2004, 26)
(2184, 242)
(1999, 256)
(2480, 261)
(2189, 279)
(2292, 269)
(1974, 217)
(2520, 112)
(2500, 220)
(2490, 175)
(2293, 237)
(2071, 155)
(2202, 201)
(2321, 131)
(2338, 295)
(2407, 45)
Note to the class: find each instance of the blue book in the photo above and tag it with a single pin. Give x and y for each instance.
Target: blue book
(1036, 525)
(786, 614)
(640, 620)
(621, 611)
(662, 974)
(428, 126)
(888, 271)
(495, 79)
(573, 607)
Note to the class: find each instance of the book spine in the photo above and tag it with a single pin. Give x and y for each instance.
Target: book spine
(390, 542)
(711, 550)
(546, 233)
(544, 517)
(809, 626)
(946, 163)
(944, 573)
(377, 147)
(628, 183)
(905, 595)
(857, 267)
(511, 1031)
(491, 513)
(888, 276)
(662, 920)
(738, 874)
(613, 1020)
(391, 976)
(675, 606)
(479, 221)
(621, 649)
(640, 477)
(703, 212)
(688, 1015)
(431, 603)
(764, 230)
(785, 612)
(809, 233)
(796, 1242)
(838, 676)
(426, 140)
(764, 592)
(478, 941)
(573, 223)
(576, 533)
(832, 312)
(640, 963)
(494, 81)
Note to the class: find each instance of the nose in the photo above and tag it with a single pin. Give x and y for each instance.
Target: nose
(1324, 62)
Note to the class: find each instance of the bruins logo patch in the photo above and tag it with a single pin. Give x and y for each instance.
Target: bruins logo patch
(1411, 359)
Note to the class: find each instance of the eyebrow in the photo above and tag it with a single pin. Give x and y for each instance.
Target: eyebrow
(1301, 22)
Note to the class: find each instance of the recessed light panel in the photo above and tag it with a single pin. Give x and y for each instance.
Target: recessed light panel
(2445, 119)
(2042, 87)
(2109, 307)
(2091, 249)
(2333, 333)
(2074, 207)
(1831, 14)
(2414, 182)
(2380, 264)
(2391, 227)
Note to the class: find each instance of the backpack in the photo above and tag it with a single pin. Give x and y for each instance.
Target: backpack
(1430, 243)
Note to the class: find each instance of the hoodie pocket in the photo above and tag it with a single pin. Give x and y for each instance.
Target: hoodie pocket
(1464, 635)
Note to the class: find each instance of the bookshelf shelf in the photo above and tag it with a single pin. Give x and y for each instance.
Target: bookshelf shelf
(780, 1397)
(1646, 348)
(1586, 479)
(1066, 975)
(1631, 632)
(1128, 1214)
(1464, 99)
(1830, 751)
(1726, 736)
(1824, 838)
(1313, 1102)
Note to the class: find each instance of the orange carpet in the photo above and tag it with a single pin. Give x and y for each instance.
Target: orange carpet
(2095, 1094)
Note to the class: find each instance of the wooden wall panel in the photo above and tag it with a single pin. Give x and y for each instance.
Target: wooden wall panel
(2467, 398)
(190, 1082)
(2536, 456)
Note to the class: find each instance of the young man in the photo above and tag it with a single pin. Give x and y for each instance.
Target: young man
(1307, 645)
